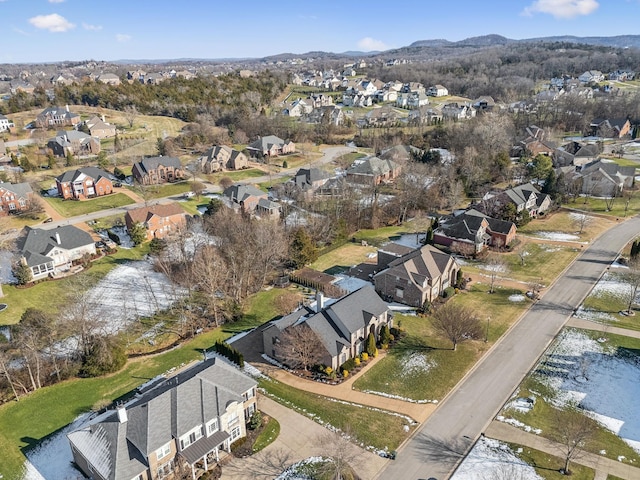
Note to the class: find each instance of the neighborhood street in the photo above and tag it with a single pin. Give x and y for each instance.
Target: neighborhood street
(444, 439)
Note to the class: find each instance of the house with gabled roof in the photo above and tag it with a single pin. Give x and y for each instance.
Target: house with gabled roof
(610, 127)
(51, 252)
(600, 178)
(310, 179)
(73, 142)
(271, 146)
(83, 183)
(155, 170)
(246, 197)
(575, 153)
(341, 327)
(15, 197)
(417, 277)
(99, 128)
(56, 117)
(191, 418)
(373, 171)
(222, 157)
(5, 123)
(160, 221)
(472, 231)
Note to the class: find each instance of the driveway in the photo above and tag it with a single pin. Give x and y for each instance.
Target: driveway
(299, 438)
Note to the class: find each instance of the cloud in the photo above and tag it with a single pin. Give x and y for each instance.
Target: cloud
(123, 37)
(367, 44)
(53, 23)
(94, 28)
(17, 30)
(56, 1)
(562, 8)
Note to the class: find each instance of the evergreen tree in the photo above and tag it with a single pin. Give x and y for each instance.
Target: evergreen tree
(138, 233)
(22, 273)
(302, 250)
(371, 345)
(385, 335)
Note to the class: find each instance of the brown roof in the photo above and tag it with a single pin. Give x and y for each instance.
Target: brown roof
(142, 214)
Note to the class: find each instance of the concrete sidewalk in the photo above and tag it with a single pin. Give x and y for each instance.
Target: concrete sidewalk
(602, 465)
(589, 325)
(299, 438)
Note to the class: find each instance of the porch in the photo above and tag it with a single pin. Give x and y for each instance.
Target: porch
(206, 452)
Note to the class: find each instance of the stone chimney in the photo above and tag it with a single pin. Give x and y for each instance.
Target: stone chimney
(58, 241)
(319, 301)
(66, 107)
(122, 414)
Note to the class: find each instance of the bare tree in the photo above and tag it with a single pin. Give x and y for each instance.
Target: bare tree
(534, 287)
(573, 431)
(632, 279)
(522, 254)
(198, 188)
(5, 361)
(456, 323)
(209, 274)
(298, 347)
(582, 221)
(495, 264)
(287, 302)
(339, 451)
(130, 114)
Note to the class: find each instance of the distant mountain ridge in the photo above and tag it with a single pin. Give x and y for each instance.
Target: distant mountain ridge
(619, 41)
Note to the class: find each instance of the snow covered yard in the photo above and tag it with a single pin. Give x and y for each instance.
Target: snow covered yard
(593, 372)
(609, 296)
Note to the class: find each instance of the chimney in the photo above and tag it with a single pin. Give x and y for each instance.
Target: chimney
(122, 414)
(103, 119)
(319, 301)
(66, 107)
(58, 241)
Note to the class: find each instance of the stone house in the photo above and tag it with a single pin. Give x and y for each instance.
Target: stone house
(471, 232)
(156, 170)
(74, 142)
(271, 146)
(57, 117)
(222, 157)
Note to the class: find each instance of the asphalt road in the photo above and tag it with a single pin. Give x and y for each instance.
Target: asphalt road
(444, 439)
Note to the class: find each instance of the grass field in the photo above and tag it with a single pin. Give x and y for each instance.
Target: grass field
(237, 175)
(72, 208)
(268, 435)
(598, 205)
(162, 191)
(564, 222)
(343, 257)
(548, 466)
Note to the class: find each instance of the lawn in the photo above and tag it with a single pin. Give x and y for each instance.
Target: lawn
(237, 175)
(548, 466)
(51, 294)
(343, 257)
(72, 208)
(162, 191)
(598, 205)
(23, 424)
(190, 205)
(422, 367)
(268, 435)
(371, 428)
(382, 235)
(564, 222)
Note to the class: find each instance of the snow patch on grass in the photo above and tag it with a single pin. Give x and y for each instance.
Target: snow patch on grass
(557, 236)
(516, 298)
(414, 363)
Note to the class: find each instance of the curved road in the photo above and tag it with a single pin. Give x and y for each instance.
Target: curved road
(445, 438)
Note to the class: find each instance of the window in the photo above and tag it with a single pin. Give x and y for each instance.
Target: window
(137, 477)
(163, 451)
(212, 426)
(233, 419)
(235, 433)
(399, 292)
(164, 470)
(191, 437)
(250, 394)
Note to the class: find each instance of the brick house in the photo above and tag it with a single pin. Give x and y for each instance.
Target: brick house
(271, 146)
(160, 221)
(417, 277)
(15, 197)
(470, 232)
(57, 117)
(74, 143)
(373, 171)
(83, 183)
(99, 128)
(246, 197)
(155, 170)
(222, 157)
(188, 419)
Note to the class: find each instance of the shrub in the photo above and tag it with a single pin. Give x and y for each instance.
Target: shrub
(256, 420)
(371, 344)
(448, 292)
(238, 443)
(328, 370)
(356, 361)
(345, 373)
(375, 353)
(385, 334)
(348, 365)
(229, 352)
(364, 356)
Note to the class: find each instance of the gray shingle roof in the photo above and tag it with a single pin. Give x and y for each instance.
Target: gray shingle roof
(426, 262)
(240, 192)
(93, 172)
(372, 166)
(152, 163)
(19, 189)
(37, 243)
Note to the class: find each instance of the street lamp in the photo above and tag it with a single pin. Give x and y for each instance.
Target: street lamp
(486, 336)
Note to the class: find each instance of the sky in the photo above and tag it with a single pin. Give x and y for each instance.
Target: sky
(56, 30)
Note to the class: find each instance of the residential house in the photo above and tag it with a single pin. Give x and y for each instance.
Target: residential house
(373, 171)
(160, 220)
(437, 91)
(524, 197)
(191, 417)
(266, 208)
(99, 128)
(401, 153)
(222, 157)
(591, 76)
(73, 142)
(297, 108)
(342, 327)
(83, 183)
(575, 153)
(155, 170)
(484, 103)
(246, 197)
(108, 78)
(271, 146)
(600, 178)
(455, 111)
(380, 117)
(320, 100)
(15, 197)
(62, 80)
(51, 252)
(426, 115)
(310, 179)
(471, 231)
(57, 117)
(357, 100)
(5, 123)
(417, 277)
(330, 115)
(610, 127)
(21, 87)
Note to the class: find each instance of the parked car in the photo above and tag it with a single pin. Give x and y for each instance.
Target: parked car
(188, 194)
(48, 220)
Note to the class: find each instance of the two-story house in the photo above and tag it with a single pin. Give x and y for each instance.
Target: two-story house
(373, 171)
(222, 157)
(342, 327)
(99, 128)
(271, 146)
(155, 170)
(417, 277)
(471, 231)
(50, 252)
(190, 418)
(5, 123)
(83, 183)
(73, 142)
(246, 197)
(57, 117)
(15, 197)
(160, 221)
